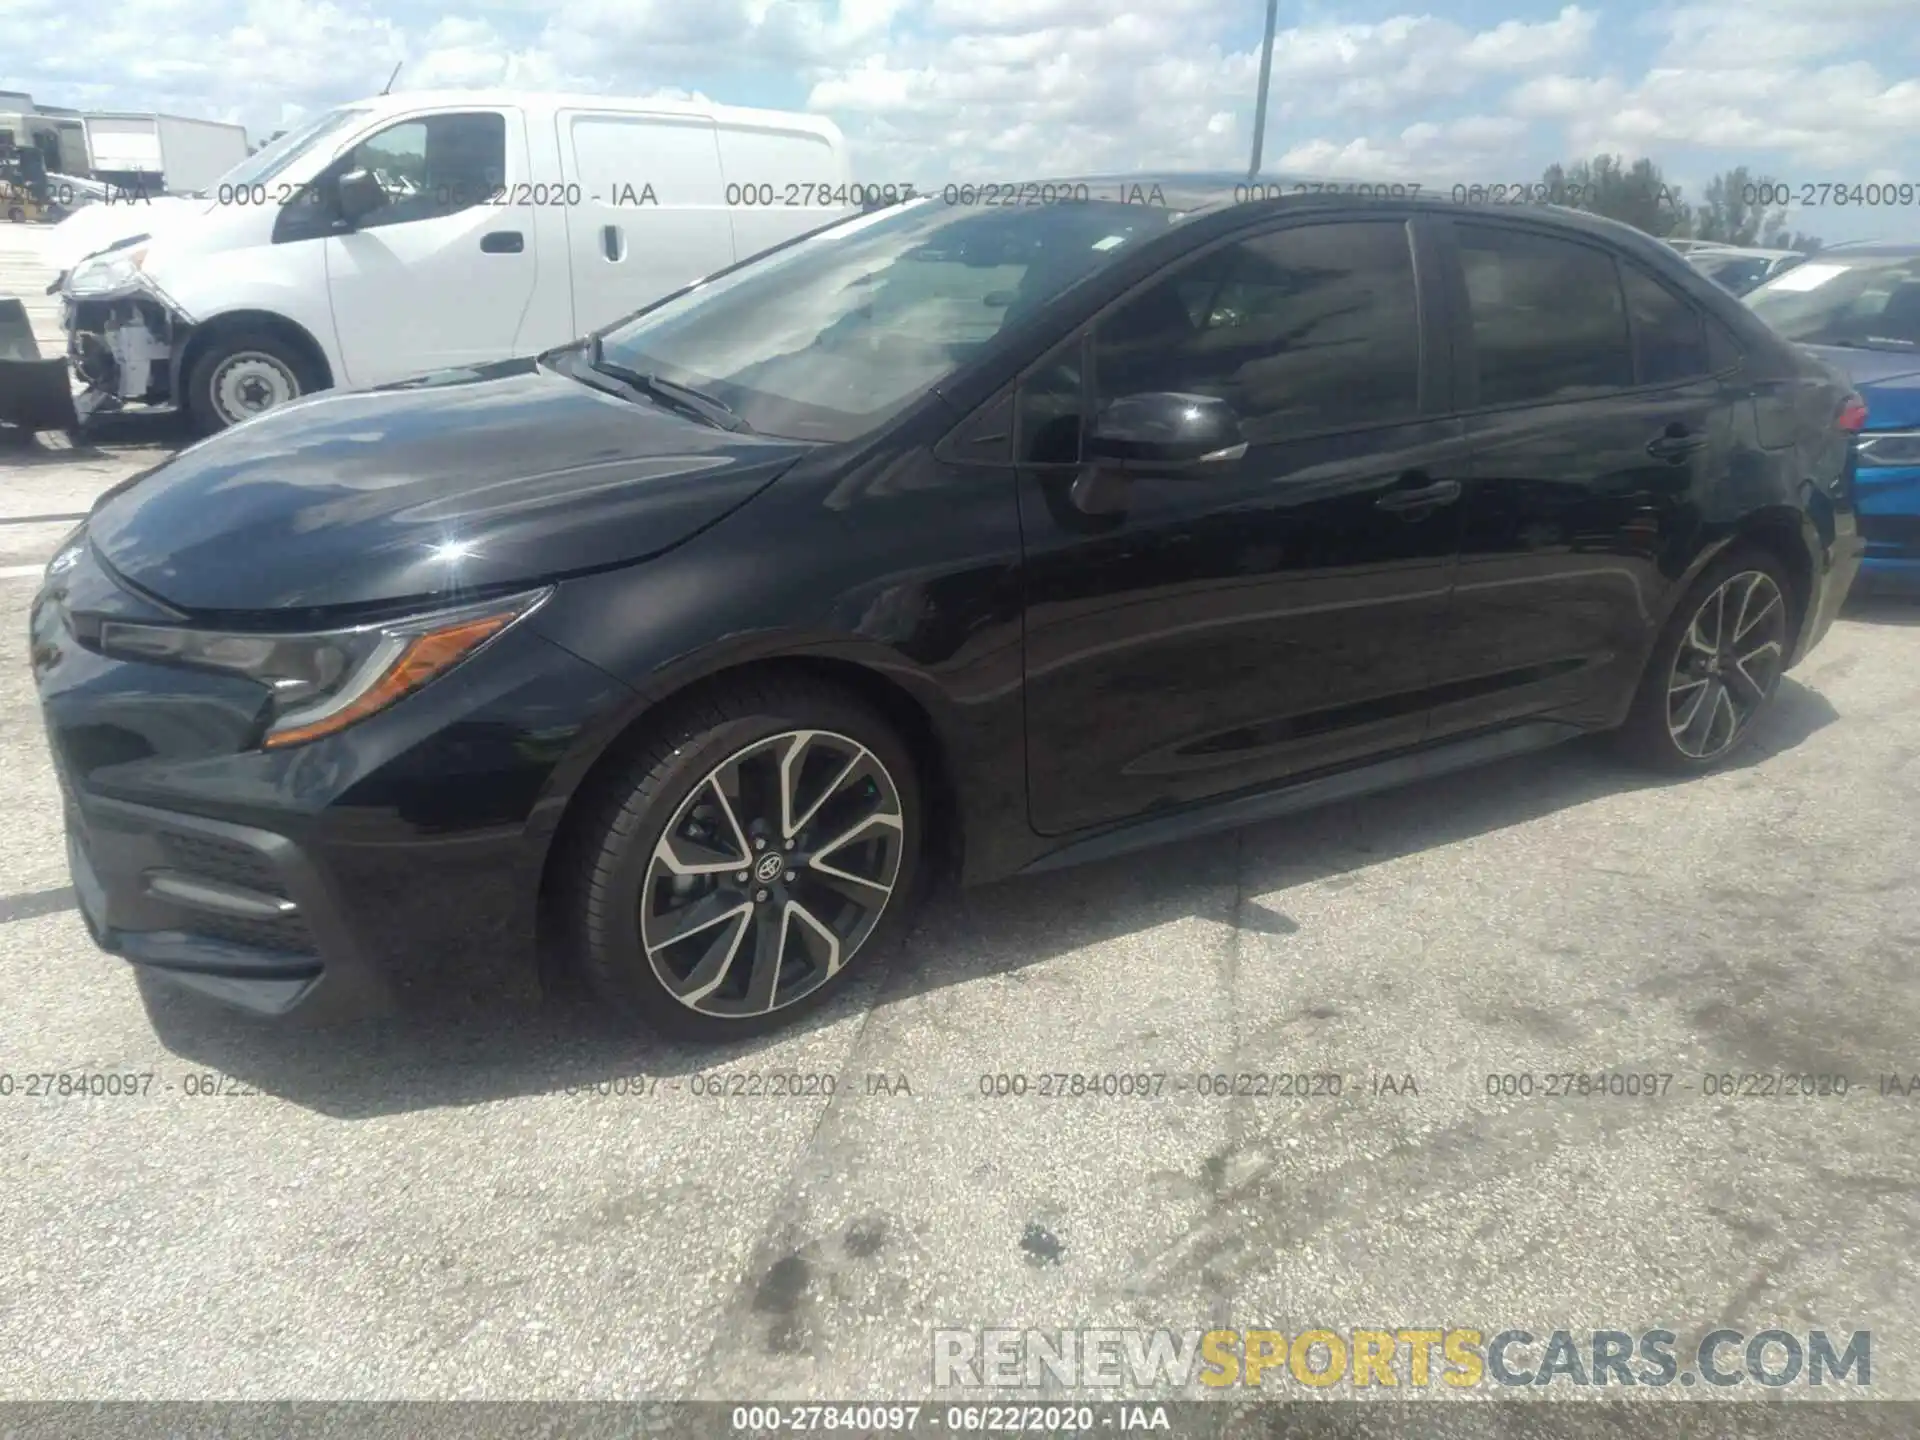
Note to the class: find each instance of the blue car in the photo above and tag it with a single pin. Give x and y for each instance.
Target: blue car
(1858, 308)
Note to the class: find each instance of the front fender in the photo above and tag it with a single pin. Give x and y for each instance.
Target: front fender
(916, 589)
(287, 282)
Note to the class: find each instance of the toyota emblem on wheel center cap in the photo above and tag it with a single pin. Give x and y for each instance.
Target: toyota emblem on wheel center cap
(769, 868)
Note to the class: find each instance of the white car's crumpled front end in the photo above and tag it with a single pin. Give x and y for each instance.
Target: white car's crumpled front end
(123, 330)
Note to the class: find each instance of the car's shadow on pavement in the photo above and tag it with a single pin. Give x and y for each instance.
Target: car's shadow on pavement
(104, 437)
(395, 1066)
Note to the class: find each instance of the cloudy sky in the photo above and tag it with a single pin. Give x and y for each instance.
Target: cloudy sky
(937, 90)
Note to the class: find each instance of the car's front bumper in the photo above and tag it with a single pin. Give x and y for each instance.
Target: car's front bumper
(125, 350)
(349, 917)
(236, 913)
(394, 866)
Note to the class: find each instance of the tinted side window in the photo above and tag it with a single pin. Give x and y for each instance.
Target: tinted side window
(1669, 341)
(1047, 423)
(1309, 329)
(437, 165)
(1548, 319)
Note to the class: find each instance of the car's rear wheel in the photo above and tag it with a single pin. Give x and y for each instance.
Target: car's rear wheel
(1716, 667)
(761, 846)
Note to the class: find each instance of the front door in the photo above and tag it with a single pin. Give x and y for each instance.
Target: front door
(442, 274)
(1189, 638)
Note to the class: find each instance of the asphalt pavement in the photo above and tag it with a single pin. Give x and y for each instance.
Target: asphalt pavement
(529, 1205)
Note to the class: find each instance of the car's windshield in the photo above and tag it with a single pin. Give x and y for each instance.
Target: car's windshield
(271, 159)
(830, 337)
(1872, 301)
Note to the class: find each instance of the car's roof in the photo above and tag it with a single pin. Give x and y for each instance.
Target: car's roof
(1194, 192)
(1890, 249)
(550, 100)
(1714, 252)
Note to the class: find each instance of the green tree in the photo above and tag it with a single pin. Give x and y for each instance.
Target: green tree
(1776, 234)
(1741, 208)
(1605, 185)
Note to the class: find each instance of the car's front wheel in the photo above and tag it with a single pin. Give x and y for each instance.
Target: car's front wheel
(1716, 666)
(244, 374)
(762, 844)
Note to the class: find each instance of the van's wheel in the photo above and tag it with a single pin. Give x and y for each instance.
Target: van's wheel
(243, 374)
(762, 845)
(1716, 666)
(16, 216)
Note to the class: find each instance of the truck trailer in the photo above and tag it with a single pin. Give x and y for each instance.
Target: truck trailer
(157, 154)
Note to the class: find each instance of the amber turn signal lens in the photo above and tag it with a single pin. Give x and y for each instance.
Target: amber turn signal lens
(425, 657)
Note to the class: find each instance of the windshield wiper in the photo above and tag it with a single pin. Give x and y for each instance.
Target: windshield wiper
(683, 397)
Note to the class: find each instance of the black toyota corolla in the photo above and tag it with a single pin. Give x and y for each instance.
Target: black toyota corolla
(1002, 536)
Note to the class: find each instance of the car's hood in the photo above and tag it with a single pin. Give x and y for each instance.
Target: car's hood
(92, 228)
(1888, 380)
(433, 488)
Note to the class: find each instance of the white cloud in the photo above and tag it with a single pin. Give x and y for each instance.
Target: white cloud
(1399, 63)
(931, 90)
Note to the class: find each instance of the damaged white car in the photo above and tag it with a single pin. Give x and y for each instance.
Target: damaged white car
(407, 234)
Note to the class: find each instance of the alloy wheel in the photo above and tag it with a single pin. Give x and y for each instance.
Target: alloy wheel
(1730, 658)
(772, 873)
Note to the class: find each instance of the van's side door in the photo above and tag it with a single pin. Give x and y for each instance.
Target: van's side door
(645, 205)
(441, 274)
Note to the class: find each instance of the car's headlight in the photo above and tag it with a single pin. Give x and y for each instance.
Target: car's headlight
(1885, 448)
(114, 273)
(326, 680)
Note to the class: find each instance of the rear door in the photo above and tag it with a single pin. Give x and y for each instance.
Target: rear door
(646, 208)
(441, 275)
(1192, 637)
(1594, 421)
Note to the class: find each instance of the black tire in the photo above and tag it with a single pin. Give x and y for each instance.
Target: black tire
(1648, 737)
(16, 216)
(205, 374)
(610, 872)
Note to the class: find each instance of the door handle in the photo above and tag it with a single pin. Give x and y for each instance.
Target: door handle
(1426, 497)
(1675, 445)
(610, 241)
(503, 242)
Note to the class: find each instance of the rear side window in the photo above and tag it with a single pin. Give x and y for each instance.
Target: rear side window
(1308, 329)
(1548, 317)
(1669, 339)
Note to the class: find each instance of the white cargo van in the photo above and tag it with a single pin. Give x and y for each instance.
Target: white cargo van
(419, 232)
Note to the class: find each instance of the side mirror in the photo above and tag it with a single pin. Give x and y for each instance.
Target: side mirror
(360, 195)
(1165, 433)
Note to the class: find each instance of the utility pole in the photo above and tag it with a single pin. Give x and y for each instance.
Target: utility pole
(1260, 105)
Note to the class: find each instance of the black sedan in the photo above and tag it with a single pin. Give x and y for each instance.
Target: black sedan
(982, 538)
